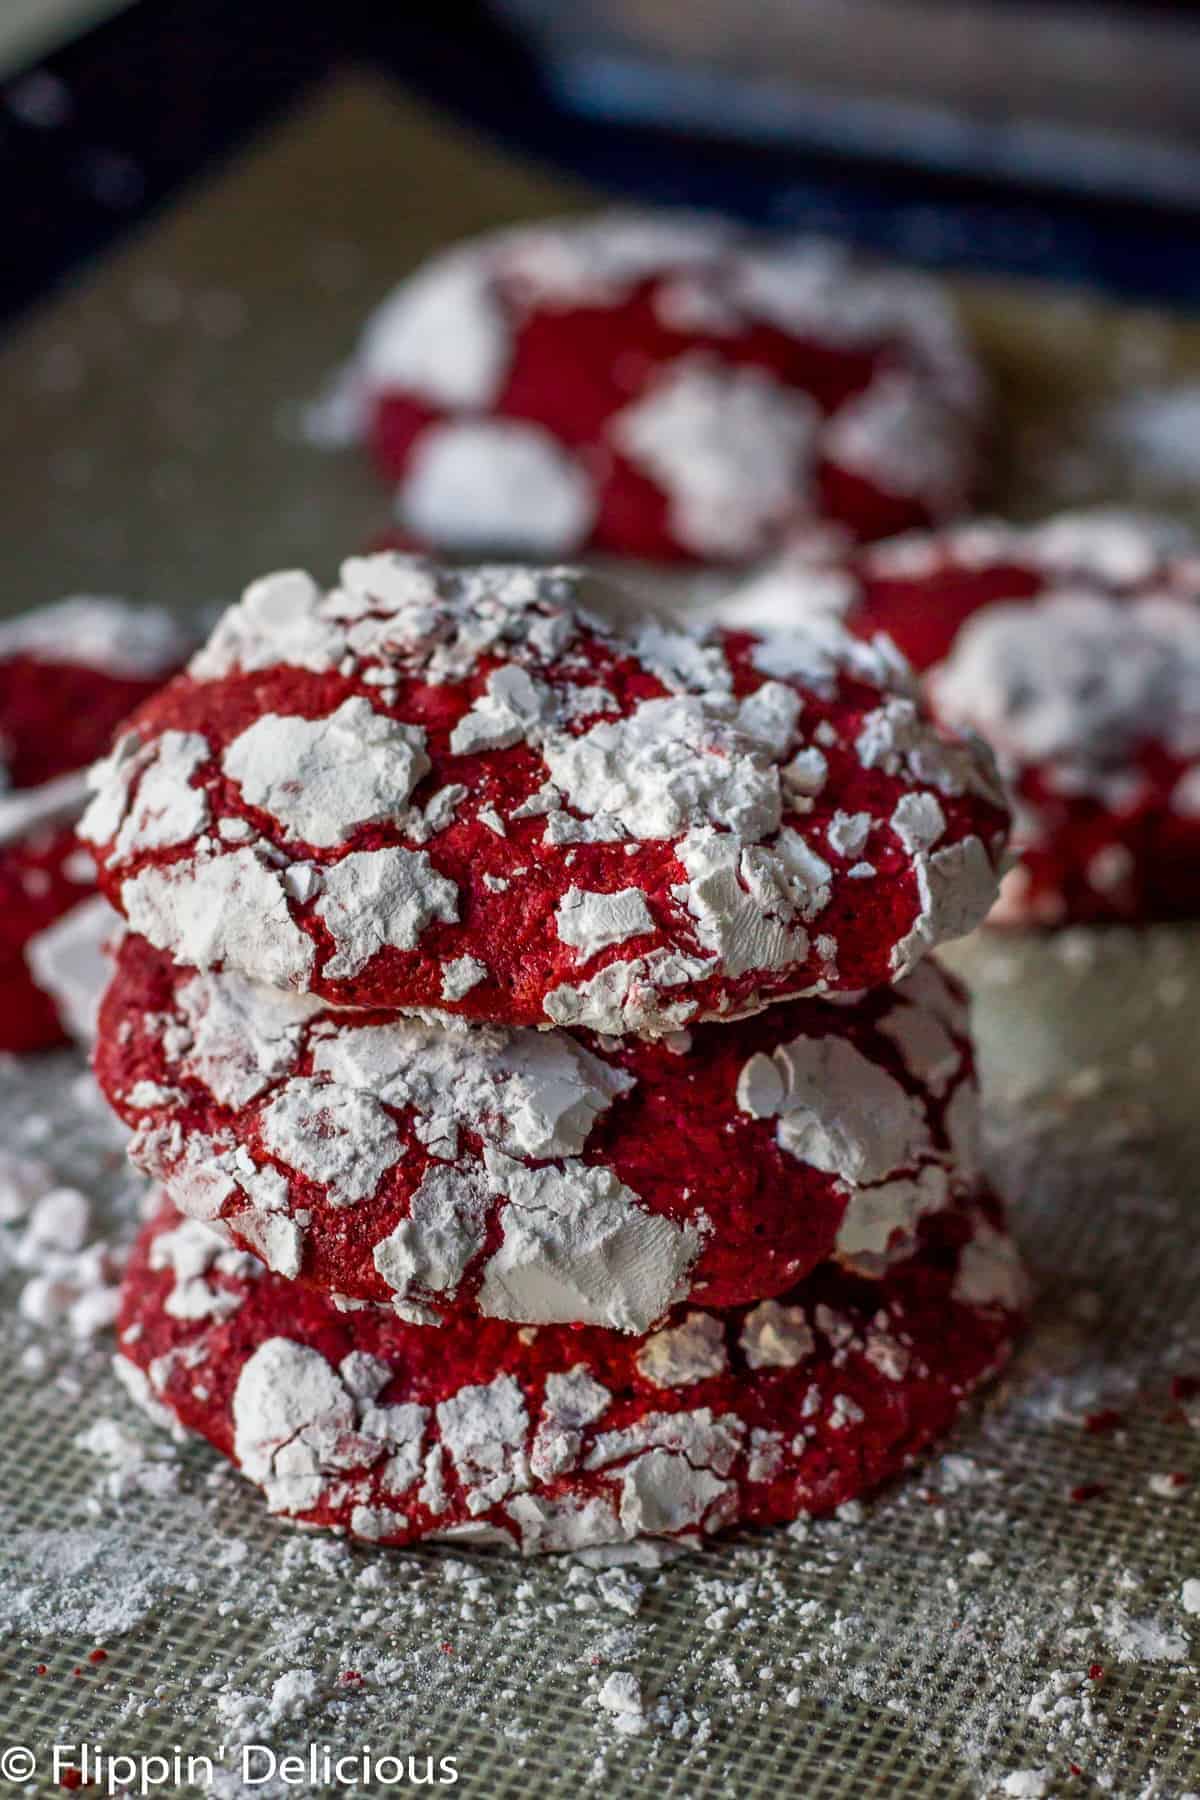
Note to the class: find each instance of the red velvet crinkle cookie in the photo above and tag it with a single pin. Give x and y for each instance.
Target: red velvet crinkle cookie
(559, 1438)
(1074, 648)
(69, 674)
(449, 789)
(543, 1176)
(661, 388)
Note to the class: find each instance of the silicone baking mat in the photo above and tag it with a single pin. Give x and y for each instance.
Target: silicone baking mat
(1013, 1618)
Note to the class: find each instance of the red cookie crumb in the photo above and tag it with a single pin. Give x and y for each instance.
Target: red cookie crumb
(1098, 1424)
(69, 674)
(556, 1438)
(1073, 647)
(543, 1176)
(451, 789)
(663, 388)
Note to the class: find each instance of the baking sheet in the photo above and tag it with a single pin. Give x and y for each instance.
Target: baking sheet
(976, 1630)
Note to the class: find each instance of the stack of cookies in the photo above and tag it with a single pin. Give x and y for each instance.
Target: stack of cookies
(562, 1135)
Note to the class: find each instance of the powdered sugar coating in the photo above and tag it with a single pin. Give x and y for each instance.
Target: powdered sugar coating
(221, 908)
(543, 1176)
(1078, 678)
(359, 1421)
(669, 388)
(496, 484)
(731, 448)
(107, 636)
(1073, 647)
(322, 778)
(69, 961)
(426, 772)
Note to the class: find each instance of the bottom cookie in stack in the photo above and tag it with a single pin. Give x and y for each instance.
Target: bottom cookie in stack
(561, 1437)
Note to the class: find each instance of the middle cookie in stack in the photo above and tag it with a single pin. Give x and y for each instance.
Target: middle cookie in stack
(543, 1176)
(453, 793)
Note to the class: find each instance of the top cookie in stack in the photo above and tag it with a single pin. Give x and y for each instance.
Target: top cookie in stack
(455, 790)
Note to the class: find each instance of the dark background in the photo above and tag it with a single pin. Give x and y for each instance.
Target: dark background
(111, 126)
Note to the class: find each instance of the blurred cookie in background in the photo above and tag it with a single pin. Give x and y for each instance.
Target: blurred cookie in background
(1073, 648)
(69, 674)
(660, 387)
